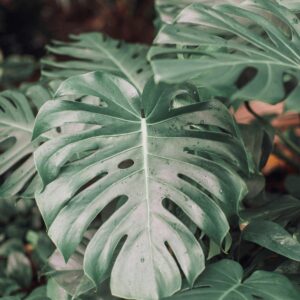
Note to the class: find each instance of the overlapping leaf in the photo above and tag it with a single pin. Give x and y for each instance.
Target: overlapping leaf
(169, 9)
(224, 281)
(145, 150)
(97, 52)
(218, 50)
(281, 209)
(17, 116)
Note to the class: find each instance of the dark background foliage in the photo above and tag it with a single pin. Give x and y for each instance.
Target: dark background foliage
(27, 26)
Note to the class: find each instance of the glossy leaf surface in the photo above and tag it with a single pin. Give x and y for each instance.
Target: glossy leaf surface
(273, 237)
(144, 150)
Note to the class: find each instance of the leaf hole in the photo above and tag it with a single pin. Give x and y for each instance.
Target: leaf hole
(290, 83)
(125, 164)
(174, 257)
(7, 144)
(135, 55)
(58, 129)
(115, 204)
(90, 182)
(11, 102)
(139, 71)
(175, 210)
(245, 77)
(16, 166)
(199, 187)
(27, 184)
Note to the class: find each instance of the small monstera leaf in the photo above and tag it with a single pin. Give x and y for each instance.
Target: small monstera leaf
(97, 52)
(218, 50)
(144, 150)
(224, 281)
(17, 115)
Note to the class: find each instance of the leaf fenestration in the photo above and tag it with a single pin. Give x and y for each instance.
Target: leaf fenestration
(146, 151)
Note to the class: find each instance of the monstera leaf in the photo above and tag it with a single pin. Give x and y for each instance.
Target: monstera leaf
(97, 52)
(17, 115)
(216, 49)
(145, 150)
(169, 9)
(224, 281)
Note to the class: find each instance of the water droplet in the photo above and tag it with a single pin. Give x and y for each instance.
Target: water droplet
(142, 260)
(221, 191)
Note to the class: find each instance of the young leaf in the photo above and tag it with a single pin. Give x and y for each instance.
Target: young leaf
(145, 149)
(97, 52)
(224, 280)
(216, 48)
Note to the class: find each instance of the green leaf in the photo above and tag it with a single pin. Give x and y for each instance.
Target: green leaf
(15, 69)
(55, 292)
(144, 151)
(169, 9)
(10, 246)
(292, 185)
(17, 116)
(39, 293)
(216, 48)
(19, 268)
(97, 52)
(224, 280)
(279, 208)
(8, 286)
(70, 276)
(272, 237)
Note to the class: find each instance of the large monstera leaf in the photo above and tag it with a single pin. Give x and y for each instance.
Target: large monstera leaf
(217, 49)
(144, 150)
(17, 115)
(97, 52)
(224, 281)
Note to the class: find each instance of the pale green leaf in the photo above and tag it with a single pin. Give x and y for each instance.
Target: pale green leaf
(144, 149)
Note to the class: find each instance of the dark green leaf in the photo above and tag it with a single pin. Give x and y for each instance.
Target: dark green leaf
(272, 236)
(216, 48)
(19, 268)
(224, 281)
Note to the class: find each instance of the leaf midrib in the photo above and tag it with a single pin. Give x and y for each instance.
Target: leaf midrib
(144, 132)
(120, 66)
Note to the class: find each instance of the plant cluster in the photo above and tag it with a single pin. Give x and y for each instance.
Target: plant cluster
(147, 185)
